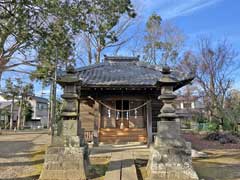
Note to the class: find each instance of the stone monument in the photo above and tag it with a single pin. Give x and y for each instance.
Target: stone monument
(67, 156)
(170, 157)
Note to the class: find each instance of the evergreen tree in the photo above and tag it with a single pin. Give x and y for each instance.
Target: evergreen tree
(11, 92)
(163, 42)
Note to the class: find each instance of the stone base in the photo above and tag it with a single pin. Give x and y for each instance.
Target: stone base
(65, 163)
(170, 159)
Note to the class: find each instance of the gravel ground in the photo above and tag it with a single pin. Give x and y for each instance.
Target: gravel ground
(17, 151)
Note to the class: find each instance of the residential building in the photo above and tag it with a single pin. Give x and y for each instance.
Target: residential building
(5, 109)
(40, 110)
(39, 117)
(190, 109)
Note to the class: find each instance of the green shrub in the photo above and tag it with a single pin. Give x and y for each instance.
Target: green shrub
(213, 126)
(229, 125)
(203, 126)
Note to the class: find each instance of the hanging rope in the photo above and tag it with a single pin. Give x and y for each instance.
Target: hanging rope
(119, 110)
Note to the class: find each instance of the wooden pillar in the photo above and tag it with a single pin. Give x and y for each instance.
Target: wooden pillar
(96, 123)
(149, 122)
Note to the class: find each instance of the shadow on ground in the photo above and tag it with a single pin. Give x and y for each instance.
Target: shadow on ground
(35, 177)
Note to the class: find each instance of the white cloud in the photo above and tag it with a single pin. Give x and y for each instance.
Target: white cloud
(169, 9)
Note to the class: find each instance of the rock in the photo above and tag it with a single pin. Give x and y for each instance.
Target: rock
(198, 154)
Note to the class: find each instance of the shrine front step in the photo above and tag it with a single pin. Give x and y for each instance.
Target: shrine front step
(121, 167)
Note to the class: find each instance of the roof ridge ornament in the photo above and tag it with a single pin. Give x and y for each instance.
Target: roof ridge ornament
(166, 70)
(70, 69)
(121, 58)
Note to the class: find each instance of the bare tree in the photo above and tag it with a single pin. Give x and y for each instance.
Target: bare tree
(214, 64)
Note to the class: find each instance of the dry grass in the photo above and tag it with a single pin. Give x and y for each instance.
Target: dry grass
(36, 156)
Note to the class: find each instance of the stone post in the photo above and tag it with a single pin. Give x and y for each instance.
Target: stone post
(170, 156)
(66, 158)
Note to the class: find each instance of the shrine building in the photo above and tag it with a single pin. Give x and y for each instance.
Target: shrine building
(118, 99)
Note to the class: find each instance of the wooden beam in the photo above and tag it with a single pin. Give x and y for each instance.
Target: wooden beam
(149, 122)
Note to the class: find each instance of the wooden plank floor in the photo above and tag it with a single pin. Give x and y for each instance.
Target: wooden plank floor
(121, 167)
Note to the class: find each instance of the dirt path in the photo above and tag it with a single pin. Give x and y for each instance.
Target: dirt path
(222, 163)
(21, 154)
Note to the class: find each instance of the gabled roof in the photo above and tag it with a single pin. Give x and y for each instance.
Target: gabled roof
(38, 99)
(127, 71)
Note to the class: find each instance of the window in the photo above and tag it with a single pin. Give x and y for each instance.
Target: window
(2, 117)
(41, 106)
(122, 105)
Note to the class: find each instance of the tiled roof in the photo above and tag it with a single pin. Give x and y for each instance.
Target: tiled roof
(126, 71)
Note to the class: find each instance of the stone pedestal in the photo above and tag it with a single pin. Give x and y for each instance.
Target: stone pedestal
(67, 156)
(64, 163)
(170, 157)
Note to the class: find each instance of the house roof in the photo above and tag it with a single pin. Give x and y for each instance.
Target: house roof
(4, 104)
(127, 71)
(38, 99)
(187, 98)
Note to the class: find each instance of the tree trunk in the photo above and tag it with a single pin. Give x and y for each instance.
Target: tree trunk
(89, 49)
(1, 79)
(12, 114)
(49, 108)
(53, 102)
(19, 121)
(89, 56)
(6, 121)
(23, 121)
(98, 56)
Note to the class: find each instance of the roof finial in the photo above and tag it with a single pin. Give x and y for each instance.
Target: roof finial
(70, 69)
(166, 69)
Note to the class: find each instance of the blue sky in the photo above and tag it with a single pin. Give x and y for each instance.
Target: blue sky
(217, 18)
